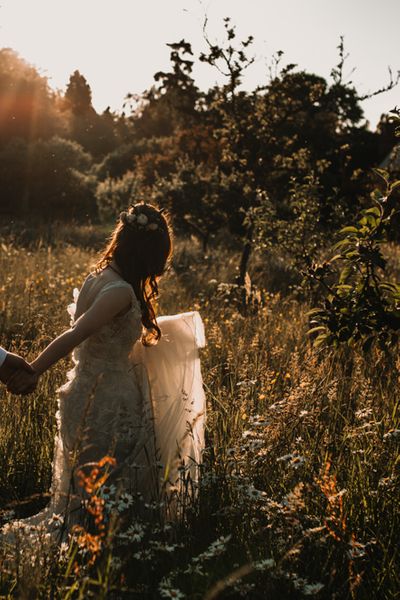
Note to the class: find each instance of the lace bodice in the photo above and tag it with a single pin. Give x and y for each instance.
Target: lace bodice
(112, 343)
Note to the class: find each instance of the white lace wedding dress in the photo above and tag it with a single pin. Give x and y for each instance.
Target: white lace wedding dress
(143, 406)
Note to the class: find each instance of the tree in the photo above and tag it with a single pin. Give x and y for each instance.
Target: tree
(78, 95)
(28, 108)
(172, 103)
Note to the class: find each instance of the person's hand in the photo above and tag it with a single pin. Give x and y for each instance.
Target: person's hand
(22, 382)
(13, 363)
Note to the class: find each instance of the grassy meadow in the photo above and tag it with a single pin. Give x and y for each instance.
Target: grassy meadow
(299, 492)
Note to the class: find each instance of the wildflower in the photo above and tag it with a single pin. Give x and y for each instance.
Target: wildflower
(253, 493)
(285, 458)
(256, 445)
(135, 532)
(310, 589)
(172, 593)
(125, 501)
(194, 569)
(56, 520)
(143, 555)
(262, 565)
(294, 460)
(63, 550)
(107, 491)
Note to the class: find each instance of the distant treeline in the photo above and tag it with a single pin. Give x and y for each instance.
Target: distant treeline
(295, 149)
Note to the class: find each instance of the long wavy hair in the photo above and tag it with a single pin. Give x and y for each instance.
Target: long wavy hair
(142, 253)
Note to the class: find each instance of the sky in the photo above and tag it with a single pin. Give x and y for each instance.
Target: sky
(119, 45)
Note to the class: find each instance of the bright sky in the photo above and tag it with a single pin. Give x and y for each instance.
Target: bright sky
(118, 45)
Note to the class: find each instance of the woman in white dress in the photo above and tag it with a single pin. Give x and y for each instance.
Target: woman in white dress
(135, 392)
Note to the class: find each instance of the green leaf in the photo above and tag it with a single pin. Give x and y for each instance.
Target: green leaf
(382, 173)
(345, 287)
(322, 338)
(342, 243)
(314, 311)
(315, 329)
(349, 229)
(373, 211)
(345, 273)
(394, 186)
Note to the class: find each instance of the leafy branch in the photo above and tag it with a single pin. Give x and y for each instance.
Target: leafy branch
(361, 306)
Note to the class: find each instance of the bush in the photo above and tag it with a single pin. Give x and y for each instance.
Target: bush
(47, 180)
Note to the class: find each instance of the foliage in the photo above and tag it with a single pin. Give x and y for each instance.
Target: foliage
(171, 104)
(46, 179)
(96, 133)
(361, 307)
(114, 195)
(28, 109)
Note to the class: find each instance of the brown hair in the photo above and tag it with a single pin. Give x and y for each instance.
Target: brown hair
(141, 252)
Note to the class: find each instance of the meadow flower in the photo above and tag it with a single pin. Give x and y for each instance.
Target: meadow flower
(253, 493)
(262, 565)
(144, 555)
(194, 569)
(310, 589)
(256, 445)
(172, 593)
(63, 550)
(56, 520)
(135, 532)
(294, 460)
(124, 501)
(107, 491)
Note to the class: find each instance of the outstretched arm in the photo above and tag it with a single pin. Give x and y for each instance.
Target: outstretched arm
(103, 310)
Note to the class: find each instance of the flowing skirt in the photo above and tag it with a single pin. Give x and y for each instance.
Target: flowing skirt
(170, 372)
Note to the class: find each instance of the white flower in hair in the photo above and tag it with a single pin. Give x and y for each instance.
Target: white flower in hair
(131, 218)
(152, 226)
(142, 219)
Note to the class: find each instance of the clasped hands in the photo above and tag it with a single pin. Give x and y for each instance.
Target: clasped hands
(18, 375)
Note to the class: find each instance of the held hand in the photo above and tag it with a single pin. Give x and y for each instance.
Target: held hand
(22, 382)
(12, 363)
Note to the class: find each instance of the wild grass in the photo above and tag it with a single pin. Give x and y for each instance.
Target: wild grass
(299, 492)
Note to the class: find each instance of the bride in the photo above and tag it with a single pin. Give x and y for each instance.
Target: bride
(135, 394)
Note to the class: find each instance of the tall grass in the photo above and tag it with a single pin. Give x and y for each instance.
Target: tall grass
(299, 493)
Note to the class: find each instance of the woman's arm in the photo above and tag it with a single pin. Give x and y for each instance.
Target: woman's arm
(103, 310)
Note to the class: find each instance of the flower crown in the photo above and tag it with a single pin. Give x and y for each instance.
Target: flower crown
(137, 219)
